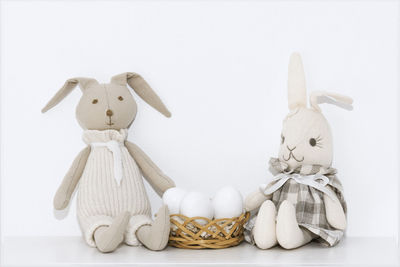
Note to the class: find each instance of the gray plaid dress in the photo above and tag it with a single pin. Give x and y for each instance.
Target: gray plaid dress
(309, 203)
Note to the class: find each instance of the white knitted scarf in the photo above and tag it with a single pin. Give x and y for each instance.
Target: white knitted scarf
(115, 148)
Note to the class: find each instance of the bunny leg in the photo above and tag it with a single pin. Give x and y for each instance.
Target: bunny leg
(136, 222)
(155, 236)
(264, 232)
(288, 232)
(108, 238)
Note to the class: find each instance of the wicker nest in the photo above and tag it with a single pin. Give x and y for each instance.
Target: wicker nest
(200, 232)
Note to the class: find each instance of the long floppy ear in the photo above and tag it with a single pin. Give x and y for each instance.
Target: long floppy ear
(143, 89)
(297, 95)
(69, 85)
(320, 97)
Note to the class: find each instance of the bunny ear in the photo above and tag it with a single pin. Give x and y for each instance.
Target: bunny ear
(67, 88)
(320, 97)
(297, 96)
(143, 89)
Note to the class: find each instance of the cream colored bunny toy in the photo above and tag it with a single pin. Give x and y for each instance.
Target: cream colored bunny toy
(304, 200)
(112, 203)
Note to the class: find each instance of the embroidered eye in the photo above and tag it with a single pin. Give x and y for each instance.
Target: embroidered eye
(313, 142)
(95, 101)
(316, 142)
(120, 98)
(282, 139)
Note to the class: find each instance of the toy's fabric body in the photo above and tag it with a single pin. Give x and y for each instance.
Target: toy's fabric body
(100, 196)
(112, 204)
(304, 201)
(309, 201)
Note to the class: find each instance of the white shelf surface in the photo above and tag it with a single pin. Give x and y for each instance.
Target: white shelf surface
(72, 251)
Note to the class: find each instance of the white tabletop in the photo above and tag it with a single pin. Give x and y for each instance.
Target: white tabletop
(67, 251)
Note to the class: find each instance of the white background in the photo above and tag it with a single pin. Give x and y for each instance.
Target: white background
(221, 68)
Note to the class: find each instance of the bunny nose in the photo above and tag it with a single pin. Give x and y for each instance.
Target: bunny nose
(109, 112)
(291, 149)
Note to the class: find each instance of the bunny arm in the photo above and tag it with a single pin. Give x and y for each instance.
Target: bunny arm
(157, 179)
(255, 199)
(334, 211)
(71, 179)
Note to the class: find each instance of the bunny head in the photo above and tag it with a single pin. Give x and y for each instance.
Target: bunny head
(108, 106)
(306, 137)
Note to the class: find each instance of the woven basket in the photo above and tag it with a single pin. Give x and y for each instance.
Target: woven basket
(221, 233)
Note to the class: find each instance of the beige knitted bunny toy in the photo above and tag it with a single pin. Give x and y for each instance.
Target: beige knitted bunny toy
(112, 203)
(304, 201)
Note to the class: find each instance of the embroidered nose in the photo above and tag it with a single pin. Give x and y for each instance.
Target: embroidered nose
(291, 149)
(109, 112)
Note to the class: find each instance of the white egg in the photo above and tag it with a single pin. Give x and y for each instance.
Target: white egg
(172, 198)
(196, 204)
(227, 203)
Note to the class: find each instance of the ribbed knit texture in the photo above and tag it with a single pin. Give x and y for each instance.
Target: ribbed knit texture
(100, 198)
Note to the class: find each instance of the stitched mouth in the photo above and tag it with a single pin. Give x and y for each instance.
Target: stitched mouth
(291, 155)
(109, 123)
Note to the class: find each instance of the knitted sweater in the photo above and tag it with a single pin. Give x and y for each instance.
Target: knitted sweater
(100, 195)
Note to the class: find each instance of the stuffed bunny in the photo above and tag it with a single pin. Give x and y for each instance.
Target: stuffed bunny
(112, 203)
(304, 200)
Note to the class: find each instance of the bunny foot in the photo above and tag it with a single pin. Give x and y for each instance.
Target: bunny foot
(155, 236)
(288, 232)
(264, 228)
(108, 238)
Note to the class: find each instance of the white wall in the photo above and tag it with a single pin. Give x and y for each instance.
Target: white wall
(221, 68)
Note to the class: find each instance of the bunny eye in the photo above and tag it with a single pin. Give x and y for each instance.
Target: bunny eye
(95, 101)
(120, 98)
(282, 139)
(315, 142)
